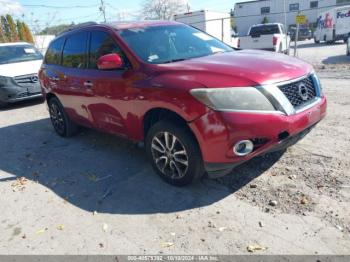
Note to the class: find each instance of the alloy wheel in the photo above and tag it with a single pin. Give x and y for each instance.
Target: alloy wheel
(169, 155)
(57, 118)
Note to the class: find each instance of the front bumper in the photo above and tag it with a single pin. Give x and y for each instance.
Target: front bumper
(218, 132)
(12, 92)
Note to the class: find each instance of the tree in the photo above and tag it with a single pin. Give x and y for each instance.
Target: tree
(163, 9)
(12, 29)
(20, 30)
(3, 38)
(265, 20)
(55, 30)
(28, 37)
(5, 29)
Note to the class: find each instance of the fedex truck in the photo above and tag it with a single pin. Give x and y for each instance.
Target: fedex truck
(333, 25)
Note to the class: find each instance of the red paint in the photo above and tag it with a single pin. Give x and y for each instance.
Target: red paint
(118, 100)
(109, 62)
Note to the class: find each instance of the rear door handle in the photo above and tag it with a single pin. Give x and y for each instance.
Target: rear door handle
(88, 84)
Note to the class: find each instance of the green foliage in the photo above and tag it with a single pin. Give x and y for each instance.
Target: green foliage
(2, 31)
(20, 30)
(55, 30)
(11, 31)
(265, 20)
(5, 28)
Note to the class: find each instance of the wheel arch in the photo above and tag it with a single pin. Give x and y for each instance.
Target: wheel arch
(49, 96)
(157, 114)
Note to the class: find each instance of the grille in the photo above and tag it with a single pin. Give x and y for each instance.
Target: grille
(27, 80)
(300, 92)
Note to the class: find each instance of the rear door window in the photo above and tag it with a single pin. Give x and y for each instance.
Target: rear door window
(74, 51)
(102, 44)
(54, 52)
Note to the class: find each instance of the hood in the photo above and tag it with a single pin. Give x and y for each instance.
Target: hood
(238, 68)
(21, 68)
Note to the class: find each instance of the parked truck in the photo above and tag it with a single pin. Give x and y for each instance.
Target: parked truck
(271, 37)
(216, 24)
(333, 25)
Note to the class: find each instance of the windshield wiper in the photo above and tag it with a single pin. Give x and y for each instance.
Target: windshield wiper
(175, 60)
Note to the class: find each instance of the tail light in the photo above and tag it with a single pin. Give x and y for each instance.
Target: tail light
(239, 43)
(274, 40)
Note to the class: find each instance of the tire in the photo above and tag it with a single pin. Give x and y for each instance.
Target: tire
(316, 41)
(60, 120)
(171, 167)
(3, 104)
(280, 49)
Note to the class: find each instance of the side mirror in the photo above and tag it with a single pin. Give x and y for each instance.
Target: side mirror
(110, 61)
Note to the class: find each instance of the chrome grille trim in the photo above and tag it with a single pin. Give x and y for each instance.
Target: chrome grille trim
(280, 100)
(25, 80)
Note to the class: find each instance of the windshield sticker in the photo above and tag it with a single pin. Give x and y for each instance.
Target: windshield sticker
(152, 57)
(29, 51)
(203, 36)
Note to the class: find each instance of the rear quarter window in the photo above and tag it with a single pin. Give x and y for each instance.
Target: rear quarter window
(264, 30)
(54, 52)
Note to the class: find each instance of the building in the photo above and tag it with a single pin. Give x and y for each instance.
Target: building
(283, 11)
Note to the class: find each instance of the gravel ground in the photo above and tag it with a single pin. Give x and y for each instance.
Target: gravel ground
(96, 194)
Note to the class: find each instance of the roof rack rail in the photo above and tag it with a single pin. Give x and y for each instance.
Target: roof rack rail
(74, 27)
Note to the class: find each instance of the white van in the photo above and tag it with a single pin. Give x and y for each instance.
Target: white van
(333, 25)
(19, 66)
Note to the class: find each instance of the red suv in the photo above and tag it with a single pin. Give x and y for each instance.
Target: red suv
(199, 105)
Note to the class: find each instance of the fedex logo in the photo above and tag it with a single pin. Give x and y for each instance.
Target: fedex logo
(325, 23)
(343, 15)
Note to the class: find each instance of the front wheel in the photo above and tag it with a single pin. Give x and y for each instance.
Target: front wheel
(3, 104)
(174, 153)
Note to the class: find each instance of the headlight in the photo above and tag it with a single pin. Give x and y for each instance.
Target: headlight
(317, 82)
(235, 98)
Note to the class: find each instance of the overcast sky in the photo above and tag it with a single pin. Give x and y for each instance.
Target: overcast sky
(115, 9)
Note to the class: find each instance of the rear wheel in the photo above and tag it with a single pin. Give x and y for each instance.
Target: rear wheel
(316, 41)
(174, 153)
(60, 120)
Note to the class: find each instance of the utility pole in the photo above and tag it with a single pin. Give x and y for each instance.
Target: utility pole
(285, 22)
(103, 10)
(188, 7)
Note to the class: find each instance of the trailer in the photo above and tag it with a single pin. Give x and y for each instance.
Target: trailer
(333, 25)
(216, 24)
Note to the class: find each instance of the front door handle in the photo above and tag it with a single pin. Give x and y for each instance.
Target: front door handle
(55, 78)
(88, 84)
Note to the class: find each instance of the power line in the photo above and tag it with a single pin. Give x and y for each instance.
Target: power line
(59, 7)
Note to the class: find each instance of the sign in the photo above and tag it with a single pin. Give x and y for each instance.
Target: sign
(300, 19)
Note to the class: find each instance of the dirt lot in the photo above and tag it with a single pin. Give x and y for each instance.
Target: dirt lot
(96, 194)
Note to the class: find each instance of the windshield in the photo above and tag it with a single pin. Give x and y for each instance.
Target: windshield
(18, 53)
(264, 30)
(165, 44)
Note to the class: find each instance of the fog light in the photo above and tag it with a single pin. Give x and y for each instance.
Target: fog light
(243, 148)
